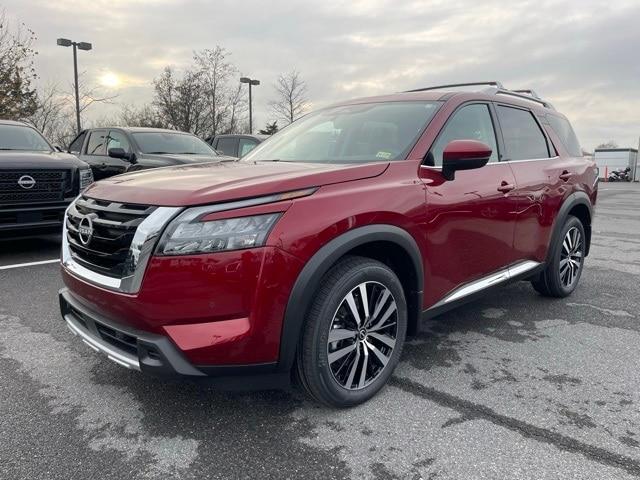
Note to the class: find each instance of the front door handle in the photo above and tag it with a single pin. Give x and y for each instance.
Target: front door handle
(506, 187)
(565, 176)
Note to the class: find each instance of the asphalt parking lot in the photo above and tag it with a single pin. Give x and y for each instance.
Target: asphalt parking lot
(513, 386)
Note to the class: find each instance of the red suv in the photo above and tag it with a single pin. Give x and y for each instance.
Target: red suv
(318, 252)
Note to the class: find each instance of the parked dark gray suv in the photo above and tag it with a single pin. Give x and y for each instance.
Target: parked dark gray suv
(114, 150)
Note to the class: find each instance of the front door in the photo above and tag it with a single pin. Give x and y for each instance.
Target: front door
(470, 220)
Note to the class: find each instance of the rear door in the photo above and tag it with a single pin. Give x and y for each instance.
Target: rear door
(543, 178)
(471, 219)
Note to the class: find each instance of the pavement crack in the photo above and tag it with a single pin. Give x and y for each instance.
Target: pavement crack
(472, 410)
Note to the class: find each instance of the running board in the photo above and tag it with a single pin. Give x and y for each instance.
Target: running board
(476, 286)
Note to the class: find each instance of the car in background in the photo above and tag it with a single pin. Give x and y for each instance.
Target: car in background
(236, 145)
(37, 182)
(114, 150)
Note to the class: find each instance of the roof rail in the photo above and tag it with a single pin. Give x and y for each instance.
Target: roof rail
(495, 84)
(495, 88)
(528, 91)
(524, 96)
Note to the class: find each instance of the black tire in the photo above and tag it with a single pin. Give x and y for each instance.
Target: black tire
(553, 281)
(321, 378)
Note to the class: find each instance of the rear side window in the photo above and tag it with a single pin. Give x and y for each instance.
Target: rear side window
(97, 143)
(563, 129)
(523, 139)
(76, 145)
(246, 145)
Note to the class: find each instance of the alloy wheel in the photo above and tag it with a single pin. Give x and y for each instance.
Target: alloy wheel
(571, 257)
(362, 335)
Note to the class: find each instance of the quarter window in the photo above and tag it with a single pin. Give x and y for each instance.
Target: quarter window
(523, 139)
(97, 143)
(563, 129)
(472, 122)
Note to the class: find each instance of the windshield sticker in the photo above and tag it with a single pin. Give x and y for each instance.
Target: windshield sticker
(383, 154)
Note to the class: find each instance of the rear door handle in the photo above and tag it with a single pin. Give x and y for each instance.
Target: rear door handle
(506, 187)
(566, 175)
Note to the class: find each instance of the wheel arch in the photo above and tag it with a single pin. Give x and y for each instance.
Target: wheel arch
(389, 244)
(579, 205)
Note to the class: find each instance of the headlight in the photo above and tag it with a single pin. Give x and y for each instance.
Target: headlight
(186, 234)
(86, 178)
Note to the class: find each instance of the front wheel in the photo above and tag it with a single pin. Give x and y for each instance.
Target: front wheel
(560, 277)
(353, 334)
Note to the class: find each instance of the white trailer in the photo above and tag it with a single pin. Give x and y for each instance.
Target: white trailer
(609, 159)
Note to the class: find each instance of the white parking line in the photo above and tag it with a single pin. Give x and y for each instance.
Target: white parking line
(29, 264)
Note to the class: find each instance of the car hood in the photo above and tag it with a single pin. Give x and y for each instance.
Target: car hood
(12, 159)
(205, 183)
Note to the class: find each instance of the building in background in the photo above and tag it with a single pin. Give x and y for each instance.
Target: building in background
(609, 159)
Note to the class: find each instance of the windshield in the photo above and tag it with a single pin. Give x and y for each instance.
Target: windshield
(350, 134)
(175, 143)
(19, 137)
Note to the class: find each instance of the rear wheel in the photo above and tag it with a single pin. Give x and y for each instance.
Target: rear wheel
(353, 335)
(560, 277)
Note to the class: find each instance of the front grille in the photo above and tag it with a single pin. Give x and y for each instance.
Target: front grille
(114, 226)
(49, 186)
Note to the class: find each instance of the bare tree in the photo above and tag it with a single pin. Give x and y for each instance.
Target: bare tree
(291, 97)
(17, 71)
(144, 116)
(180, 102)
(53, 115)
(225, 106)
(609, 144)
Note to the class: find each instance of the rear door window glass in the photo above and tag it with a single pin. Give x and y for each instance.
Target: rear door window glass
(523, 139)
(228, 146)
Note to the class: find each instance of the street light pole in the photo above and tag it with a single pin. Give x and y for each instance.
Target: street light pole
(75, 86)
(251, 82)
(65, 42)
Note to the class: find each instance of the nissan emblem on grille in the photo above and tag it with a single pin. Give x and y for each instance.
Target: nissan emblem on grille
(85, 230)
(27, 182)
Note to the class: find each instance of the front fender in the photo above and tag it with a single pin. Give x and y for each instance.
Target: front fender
(311, 275)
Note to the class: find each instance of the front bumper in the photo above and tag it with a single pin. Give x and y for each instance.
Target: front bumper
(157, 355)
(130, 348)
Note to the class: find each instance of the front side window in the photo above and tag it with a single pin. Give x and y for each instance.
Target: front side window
(523, 139)
(117, 140)
(20, 137)
(227, 145)
(472, 122)
(563, 129)
(97, 143)
(172, 143)
(350, 134)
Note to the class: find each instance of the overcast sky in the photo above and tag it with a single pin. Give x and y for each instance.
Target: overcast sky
(583, 56)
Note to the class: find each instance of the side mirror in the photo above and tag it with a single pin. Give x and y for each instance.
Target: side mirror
(464, 155)
(119, 153)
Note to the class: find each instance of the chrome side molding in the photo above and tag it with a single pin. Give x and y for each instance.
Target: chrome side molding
(488, 281)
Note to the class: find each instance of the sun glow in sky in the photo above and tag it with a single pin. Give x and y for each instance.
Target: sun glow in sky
(110, 80)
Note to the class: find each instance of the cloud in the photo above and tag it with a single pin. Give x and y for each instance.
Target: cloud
(580, 55)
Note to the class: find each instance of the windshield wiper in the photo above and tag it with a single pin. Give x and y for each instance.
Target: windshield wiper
(158, 153)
